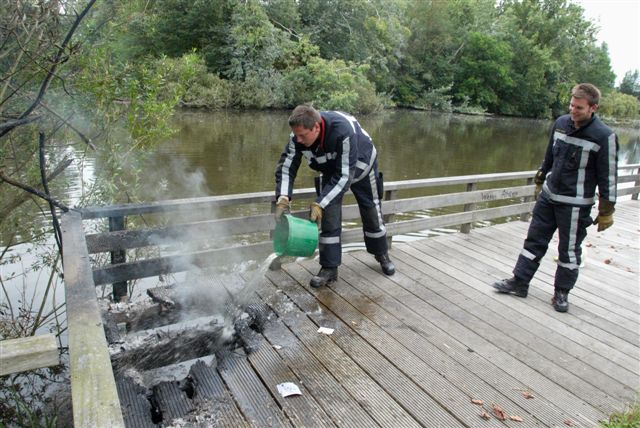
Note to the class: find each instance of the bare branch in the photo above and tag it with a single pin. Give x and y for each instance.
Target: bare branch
(33, 191)
(56, 61)
(17, 122)
(84, 138)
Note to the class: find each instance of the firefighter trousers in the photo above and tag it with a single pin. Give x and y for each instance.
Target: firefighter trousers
(571, 223)
(368, 193)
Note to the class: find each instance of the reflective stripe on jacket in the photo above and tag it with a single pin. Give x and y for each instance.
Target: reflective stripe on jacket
(578, 160)
(344, 156)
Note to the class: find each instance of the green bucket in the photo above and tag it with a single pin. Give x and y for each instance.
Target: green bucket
(295, 237)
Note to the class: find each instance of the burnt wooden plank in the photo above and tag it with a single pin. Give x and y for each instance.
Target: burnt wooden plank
(212, 398)
(402, 387)
(253, 398)
(377, 401)
(172, 401)
(180, 263)
(528, 355)
(367, 342)
(136, 408)
(423, 323)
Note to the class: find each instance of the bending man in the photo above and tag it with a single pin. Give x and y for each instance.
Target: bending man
(334, 144)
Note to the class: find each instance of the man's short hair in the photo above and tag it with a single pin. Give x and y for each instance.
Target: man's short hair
(588, 91)
(304, 115)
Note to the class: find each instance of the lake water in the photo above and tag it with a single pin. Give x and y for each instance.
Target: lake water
(225, 153)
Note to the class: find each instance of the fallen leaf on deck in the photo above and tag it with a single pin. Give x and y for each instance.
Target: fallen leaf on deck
(516, 418)
(527, 395)
(478, 402)
(498, 412)
(484, 415)
(589, 244)
(607, 261)
(568, 423)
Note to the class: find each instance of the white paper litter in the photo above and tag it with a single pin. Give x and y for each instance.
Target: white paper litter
(325, 330)
(277, 347)
(288, 388)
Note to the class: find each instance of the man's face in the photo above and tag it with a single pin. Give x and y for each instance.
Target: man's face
(581, 111)
(304, 136)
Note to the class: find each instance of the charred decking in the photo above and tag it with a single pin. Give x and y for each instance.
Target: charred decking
(416, 348)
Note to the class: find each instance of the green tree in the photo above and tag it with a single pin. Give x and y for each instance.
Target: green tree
(332, 85)
(484, 72)
(630, 84)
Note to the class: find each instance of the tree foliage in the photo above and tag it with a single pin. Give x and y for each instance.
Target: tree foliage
(516, 57)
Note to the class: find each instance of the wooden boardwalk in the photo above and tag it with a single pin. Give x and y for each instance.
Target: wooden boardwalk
(415, 349)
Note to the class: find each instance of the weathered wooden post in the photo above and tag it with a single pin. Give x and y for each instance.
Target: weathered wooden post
(466, 228)
(119, 256)
(634, 196)
(389, 195)
(525, 216)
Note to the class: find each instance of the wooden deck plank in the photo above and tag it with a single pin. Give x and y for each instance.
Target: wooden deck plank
(620, 351)
(609, 327)
(252, 397)
(413, 349)
(462, 327)
(421, 342)
(212, 394)
(592, 312)
(302, 410)
(586, 297)
(526, 354)
(408, 297)
(360, 383)
(336, 401)
(618, 271)
(591, 306)
(370, 345)
(549, 343)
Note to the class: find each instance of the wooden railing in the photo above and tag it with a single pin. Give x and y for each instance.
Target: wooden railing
(95, 400)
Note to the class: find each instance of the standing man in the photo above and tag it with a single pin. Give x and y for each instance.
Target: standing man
(334, 144)
(582, 154)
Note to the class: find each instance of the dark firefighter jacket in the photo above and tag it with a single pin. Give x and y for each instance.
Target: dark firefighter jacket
(578, 160)
(344, 155)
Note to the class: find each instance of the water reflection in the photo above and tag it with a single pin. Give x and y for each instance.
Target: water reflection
(222, 152)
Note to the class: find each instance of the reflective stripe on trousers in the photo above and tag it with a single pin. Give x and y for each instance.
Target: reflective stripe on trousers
(571, 223)
(375, 234)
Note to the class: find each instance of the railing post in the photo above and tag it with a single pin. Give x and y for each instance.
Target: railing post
(525, 216)
(120, 256)
(634, 196)
(466, 228)
(389, 195)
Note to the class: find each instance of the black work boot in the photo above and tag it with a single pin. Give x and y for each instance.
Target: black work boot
(560, 300)
(512, 285)
(386, 264)
(327, 275)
